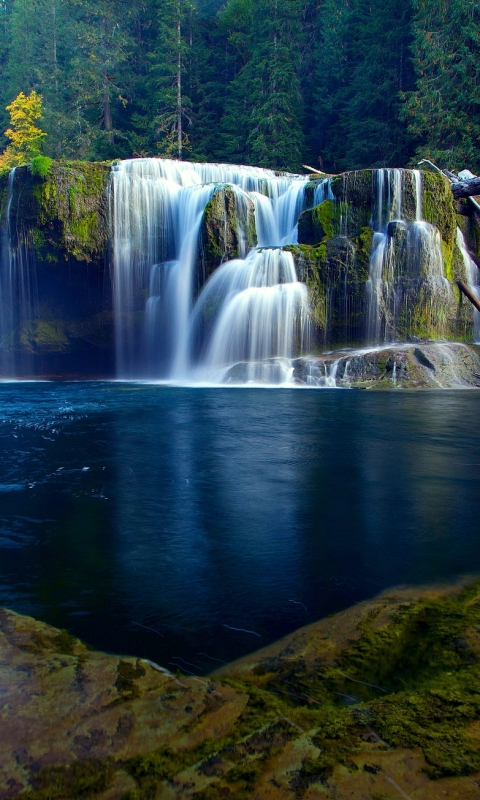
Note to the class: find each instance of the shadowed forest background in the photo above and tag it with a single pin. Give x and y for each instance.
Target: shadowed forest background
(337, 84)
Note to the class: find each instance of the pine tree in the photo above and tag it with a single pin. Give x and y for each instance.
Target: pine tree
(102, 44)
(263, 118)
(363, 66)
(39, 56)
(443, 113)
(167, 77)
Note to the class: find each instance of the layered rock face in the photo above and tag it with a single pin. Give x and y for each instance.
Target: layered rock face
(55, 281)
(379, 251)
(381, 259)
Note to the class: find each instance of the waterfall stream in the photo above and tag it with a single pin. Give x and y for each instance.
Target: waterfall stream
(250, 310)
(404, 254)
(18, 295)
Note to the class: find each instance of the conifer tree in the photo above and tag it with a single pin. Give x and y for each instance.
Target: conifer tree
(443, 112)
(167, 77)
(265, 105)
(363, 65)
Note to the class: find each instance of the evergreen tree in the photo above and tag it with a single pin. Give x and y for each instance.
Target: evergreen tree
(443, 113)
(102, 45)
(262, 123)
(167, 77)
(39, 60)
(363, 66)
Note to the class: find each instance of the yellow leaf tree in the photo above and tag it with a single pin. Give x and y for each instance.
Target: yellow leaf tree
(26, 139)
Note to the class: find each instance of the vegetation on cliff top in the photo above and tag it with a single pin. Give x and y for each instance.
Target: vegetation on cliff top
(338, 84)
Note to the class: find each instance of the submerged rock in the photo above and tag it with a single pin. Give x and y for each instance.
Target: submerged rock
(352, 706)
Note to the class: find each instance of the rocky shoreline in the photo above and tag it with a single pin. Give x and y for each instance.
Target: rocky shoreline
(379, 701)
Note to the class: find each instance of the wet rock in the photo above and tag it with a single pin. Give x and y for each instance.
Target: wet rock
(349, 706)
(227, 230)
(433, 365)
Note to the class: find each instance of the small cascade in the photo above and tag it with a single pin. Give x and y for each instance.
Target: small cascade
(473, 280)
(323, 192)
(158, 208)
(406, 255)
(252, 315)
(17, 294)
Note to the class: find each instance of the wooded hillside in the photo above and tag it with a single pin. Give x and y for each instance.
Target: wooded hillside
(338, 84)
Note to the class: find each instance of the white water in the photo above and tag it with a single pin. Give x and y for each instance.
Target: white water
(386, 286)
(262, 314)
(157, 213)
(17, 293)
(473, 280)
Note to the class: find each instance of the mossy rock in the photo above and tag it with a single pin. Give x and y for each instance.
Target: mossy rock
(65, 209)
(316, 223)
(439, 209)
(227, 230)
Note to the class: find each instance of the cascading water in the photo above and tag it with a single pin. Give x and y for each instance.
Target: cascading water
(17, 294)
(473, 281)
(158, 207)
(404, 253)
(255, 309)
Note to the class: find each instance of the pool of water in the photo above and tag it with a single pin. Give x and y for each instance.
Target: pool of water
(191, 526)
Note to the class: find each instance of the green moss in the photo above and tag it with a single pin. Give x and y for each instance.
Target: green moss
(323, 220)
(41, 166)
(65, 207)
(79, 780)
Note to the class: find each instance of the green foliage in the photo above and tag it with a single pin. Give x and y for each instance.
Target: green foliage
(279, 83)
(40, 166)
(443, 112)
(26, 139)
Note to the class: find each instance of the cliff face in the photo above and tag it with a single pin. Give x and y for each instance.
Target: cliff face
(410, 293)
(55, 271)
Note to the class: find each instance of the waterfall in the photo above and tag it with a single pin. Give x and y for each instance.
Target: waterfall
(158, 207)
(17, 293)
(472, 280)
(406, 254)
(256, 309)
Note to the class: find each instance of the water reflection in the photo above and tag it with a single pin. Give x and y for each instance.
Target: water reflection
(156, 520)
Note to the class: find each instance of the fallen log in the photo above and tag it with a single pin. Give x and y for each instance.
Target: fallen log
(467, 188)
(469, 294)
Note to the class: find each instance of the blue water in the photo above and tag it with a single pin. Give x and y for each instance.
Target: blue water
(195, 512)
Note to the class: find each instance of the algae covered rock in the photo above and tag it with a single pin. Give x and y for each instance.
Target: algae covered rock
(227, 230)
(56, 231)
(338, 709)
(381, 260)
(66, 210)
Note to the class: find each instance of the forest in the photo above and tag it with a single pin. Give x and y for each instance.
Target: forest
(334, 84)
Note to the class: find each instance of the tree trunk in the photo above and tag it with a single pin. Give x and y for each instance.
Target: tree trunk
(468, 188)
(179, 84)
(469, 294)
(106, 102)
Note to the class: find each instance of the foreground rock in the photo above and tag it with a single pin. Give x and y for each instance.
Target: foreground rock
(379, 701)
(423, 366)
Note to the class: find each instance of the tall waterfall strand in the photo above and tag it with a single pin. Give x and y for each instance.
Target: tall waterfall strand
(403, 251)
(473, 281)
(158, 206)
(18, 295)
(253, 315)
